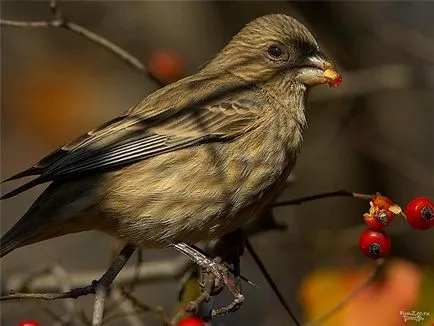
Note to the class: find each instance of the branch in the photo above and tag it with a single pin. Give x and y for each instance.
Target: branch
(270, 281)
(339, 193)
(60, 21)
(147, 272)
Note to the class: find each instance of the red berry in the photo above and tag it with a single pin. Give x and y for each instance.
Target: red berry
(374, 244)
(167, 66)
(28, 323)
(379, 220)
(420, 213)
(336, 82)
(191, 321)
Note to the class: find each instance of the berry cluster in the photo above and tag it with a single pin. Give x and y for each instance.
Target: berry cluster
(375, 242)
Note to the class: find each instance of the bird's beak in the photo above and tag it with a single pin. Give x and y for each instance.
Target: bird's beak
(317, 70)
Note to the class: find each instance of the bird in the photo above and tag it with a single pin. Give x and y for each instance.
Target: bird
(194, 160)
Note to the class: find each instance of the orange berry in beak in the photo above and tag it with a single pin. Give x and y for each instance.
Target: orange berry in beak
(333, 77)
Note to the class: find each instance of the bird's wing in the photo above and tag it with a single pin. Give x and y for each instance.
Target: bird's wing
(131, 138)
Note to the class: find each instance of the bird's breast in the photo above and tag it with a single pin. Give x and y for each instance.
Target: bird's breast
(199, 193)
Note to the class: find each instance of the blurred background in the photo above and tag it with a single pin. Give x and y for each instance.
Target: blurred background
(374, 134)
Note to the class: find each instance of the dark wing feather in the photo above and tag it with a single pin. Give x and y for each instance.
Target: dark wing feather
(132, 138)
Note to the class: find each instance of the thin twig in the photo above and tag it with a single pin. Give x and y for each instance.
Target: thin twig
(371, 277)
(339, 193)
(270, 281)
(73, 294)
(60, 21)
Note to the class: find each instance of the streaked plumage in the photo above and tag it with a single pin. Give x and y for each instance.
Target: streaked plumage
(192, 161)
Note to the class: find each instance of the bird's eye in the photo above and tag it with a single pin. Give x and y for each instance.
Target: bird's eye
(275, 51)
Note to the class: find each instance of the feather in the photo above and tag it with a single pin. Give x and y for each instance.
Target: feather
(132, 138)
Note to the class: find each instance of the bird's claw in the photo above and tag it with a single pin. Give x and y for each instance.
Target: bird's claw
(223, 277)
(214, 277)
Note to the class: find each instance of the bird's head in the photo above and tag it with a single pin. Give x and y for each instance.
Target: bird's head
(277, 45)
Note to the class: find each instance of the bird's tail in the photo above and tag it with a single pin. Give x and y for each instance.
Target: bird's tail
(7, 247)
(61, 209)
(15, 238)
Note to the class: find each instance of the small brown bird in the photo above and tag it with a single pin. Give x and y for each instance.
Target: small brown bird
(192, 161)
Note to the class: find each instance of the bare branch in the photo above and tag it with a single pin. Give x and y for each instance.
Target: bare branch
(74, 294)
(270, 281)
(147, 272)
(24, 24)
(339, 193)
(60, 21)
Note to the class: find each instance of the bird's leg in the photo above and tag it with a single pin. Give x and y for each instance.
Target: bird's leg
(233, 284)
(207, 285)
(231, 247)
(209, 265)
(216, 274)
(217, 281)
